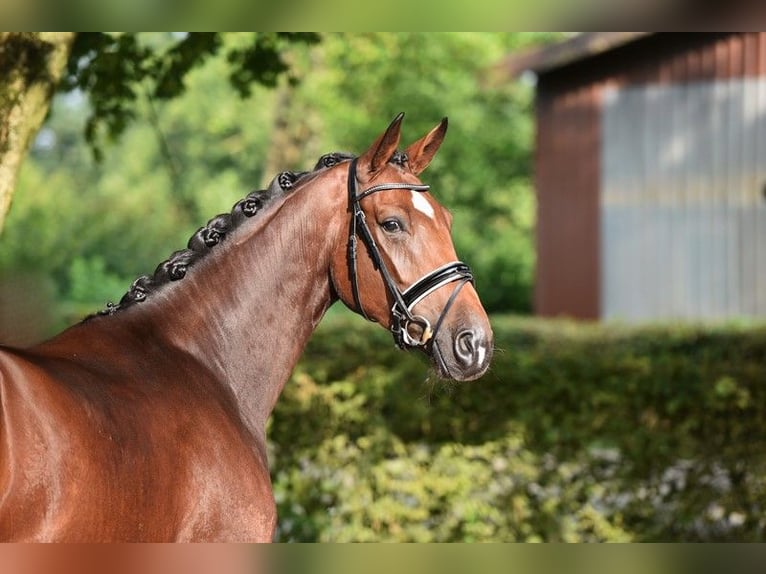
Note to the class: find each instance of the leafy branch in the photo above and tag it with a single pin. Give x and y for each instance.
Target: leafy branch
(112, 68)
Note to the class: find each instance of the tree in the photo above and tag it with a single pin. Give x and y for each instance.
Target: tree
(31, 64)
(89, 228)
(112, 70)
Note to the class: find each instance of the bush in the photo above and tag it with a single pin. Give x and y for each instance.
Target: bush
(578, 433)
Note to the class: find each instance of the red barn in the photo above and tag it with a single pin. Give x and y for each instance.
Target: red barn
(650, 173)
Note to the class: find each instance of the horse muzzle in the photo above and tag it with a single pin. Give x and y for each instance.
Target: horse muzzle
(463, 354)
(459, 340)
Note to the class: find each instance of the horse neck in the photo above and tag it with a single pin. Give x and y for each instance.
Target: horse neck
(246, 312)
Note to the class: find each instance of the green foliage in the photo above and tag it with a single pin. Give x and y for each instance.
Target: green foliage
(194, 147)
(89, 278)
(115, 70)
(578, 433)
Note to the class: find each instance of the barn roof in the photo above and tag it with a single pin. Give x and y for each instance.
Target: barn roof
(579, 47)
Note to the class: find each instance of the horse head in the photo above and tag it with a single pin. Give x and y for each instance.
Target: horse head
(399, 267)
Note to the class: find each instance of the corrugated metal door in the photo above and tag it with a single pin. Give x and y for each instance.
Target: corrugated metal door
(683, 210)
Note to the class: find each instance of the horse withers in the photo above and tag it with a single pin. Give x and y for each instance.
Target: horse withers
(146, 421)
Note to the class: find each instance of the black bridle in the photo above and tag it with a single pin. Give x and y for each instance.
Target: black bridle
(409, 330)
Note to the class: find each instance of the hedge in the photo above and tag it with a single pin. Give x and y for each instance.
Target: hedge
(577, 433)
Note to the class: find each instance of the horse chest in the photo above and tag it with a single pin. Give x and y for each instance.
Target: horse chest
(201, 482)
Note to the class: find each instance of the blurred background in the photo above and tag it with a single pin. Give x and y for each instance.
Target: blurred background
(176, 151)
(608, 192)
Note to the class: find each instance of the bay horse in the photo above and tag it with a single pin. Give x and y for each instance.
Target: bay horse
(146, 421)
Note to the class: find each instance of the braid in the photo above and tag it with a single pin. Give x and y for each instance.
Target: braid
(205, 238)
(331, 159)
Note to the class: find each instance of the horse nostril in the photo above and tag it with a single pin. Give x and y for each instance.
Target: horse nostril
(472, 353)
(465, 347)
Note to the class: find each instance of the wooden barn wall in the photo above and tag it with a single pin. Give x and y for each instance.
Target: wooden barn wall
(566, 177)
(568, 168)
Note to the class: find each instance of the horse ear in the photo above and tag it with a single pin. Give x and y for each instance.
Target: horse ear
(423, 151)
(380, 152)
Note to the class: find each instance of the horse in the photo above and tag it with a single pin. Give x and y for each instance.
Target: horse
(146, 421)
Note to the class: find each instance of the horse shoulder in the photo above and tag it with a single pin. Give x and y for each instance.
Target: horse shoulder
(116, 457)
(33, 451)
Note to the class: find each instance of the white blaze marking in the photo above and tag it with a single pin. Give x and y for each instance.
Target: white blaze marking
(420, 203)
(482, 352)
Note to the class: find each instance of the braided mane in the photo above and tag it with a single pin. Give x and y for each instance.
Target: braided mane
(205, 238)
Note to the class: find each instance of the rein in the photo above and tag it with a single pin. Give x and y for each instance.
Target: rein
(409, 330)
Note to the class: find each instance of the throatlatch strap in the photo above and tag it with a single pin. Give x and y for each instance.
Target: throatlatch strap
(354, 208)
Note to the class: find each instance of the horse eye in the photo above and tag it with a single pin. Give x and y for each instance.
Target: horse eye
(392, 225)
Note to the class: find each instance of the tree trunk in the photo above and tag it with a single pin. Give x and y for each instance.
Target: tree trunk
(31, 65)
